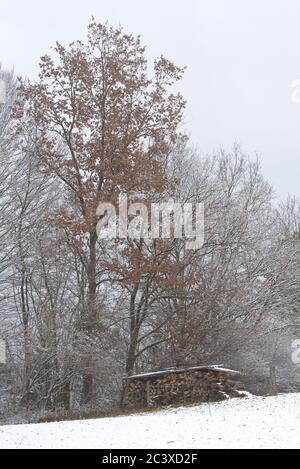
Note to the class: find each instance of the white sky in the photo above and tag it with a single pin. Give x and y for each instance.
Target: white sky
(242, 56)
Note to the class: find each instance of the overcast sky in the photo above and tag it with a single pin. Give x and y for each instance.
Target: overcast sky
(242, 57)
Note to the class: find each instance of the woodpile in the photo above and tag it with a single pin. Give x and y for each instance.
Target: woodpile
(187, 386)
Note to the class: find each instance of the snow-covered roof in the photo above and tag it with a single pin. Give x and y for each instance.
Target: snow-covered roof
(157, 374)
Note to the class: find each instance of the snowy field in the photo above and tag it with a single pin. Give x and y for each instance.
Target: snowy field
(272, 422)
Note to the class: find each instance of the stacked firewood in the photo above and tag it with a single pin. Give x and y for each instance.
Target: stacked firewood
(182, 388)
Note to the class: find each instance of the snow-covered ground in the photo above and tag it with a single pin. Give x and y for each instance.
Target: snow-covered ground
(272, 422)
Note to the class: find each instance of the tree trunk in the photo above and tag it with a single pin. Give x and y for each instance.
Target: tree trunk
(90, 322)
(25, 323)
(273, 380)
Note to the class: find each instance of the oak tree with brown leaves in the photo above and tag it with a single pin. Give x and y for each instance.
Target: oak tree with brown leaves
(106, 125)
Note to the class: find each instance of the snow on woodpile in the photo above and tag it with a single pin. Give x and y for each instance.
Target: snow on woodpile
(182, 386)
